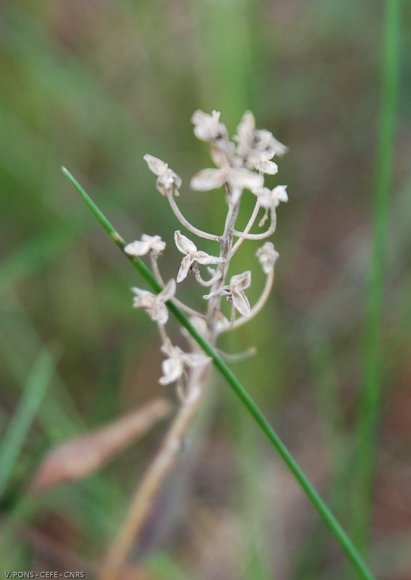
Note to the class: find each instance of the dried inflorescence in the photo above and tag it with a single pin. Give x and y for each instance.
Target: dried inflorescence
(242, 164)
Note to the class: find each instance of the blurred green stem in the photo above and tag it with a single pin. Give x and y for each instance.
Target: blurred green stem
(345, 542)
(15, 436)
(368, 417)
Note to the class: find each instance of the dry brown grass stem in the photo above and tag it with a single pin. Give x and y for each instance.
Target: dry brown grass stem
(153, 480)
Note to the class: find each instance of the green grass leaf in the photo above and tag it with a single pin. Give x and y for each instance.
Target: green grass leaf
(369, 408)
(20, 424)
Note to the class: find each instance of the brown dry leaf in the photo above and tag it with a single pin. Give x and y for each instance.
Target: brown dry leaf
(81, 456)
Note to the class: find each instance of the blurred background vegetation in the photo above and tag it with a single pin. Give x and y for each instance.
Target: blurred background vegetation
(96, 84)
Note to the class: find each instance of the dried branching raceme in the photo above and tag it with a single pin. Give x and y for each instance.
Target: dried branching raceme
(242, 164)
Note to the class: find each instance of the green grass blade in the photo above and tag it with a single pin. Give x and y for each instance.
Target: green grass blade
(117, 239)
(20, 424)
(373, 354)
(350, 550)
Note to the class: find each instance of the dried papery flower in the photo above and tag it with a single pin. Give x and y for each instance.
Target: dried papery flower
(264, 164)
(208, 127)
(256, 147)
(147, 244)
(237, 285)
(154, 304)
(177, 362)
(237, 179)
(192, 255)
(168, 182)
(271, 198)
(267, 256)
(234, 292)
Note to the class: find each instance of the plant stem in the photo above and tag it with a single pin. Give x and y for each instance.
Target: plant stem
(147, 491)
(345, 542)
(154, 478)
(225, 249)
(373, 353)
(267, 234)
(187, 224)
(247, 228)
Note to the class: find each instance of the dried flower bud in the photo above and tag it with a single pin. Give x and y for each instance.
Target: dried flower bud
(208, 127)
(147, 244)
(168, 182)
(267, 257)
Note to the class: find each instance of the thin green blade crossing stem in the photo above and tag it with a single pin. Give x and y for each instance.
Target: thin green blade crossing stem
(373, 354)
(345, 542)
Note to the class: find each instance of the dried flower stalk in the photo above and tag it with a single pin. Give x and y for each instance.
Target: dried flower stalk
(241, 164)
